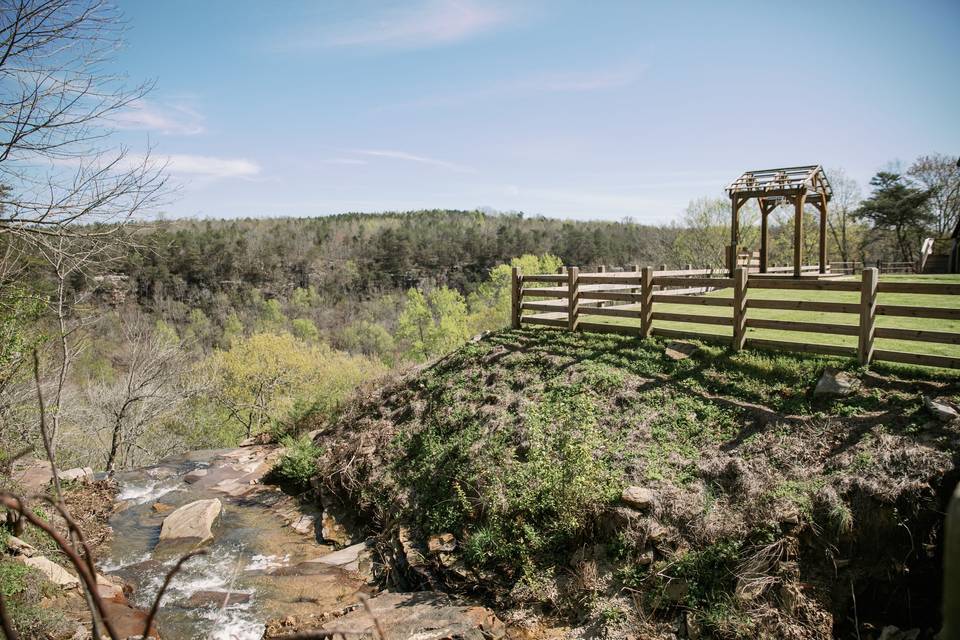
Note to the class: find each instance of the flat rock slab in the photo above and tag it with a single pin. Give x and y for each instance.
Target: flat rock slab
(34, 476)
(355, 558)
(193, 521)
(51, 571)
(423, 615)
(680, 350)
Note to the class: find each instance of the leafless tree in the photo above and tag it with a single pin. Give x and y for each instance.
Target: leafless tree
(940, 175)
(841, 220)
(58, 165)
(147, 391)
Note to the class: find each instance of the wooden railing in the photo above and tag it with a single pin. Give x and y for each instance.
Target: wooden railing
(575, 300)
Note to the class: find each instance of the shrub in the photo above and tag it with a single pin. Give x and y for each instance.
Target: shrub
(297, 465)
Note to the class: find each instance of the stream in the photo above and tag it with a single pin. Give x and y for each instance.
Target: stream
(256, 567)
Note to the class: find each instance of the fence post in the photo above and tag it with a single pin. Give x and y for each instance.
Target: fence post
(601, 268)
(646, 301)
(739, 308)
(868, 314)
(951, 569)
(515, 297)
(573, 300)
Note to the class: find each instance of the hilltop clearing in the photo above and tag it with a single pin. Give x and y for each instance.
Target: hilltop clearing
(599, 480)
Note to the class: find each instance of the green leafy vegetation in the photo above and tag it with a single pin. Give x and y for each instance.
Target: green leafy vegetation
(297, 465)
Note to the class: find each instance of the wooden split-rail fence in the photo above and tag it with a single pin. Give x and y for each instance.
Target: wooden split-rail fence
(573, 301)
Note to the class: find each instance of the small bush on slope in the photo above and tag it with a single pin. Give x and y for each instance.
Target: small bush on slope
(518, 446)
(297, 465)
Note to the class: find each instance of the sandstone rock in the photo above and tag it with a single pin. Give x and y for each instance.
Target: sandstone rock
(253, 441)
(192, 521)
(51, 570)
(940, 409)
(333, 531)
(127, 621)
(20, 547)
(834, 383)
(355, 558)
(638, 497)
(159, 507)
(304, 524)
(680, 350)
(110, 588)
(445, 542)
(424, 615)
(32, 475)
(79, 474)
(195, 475)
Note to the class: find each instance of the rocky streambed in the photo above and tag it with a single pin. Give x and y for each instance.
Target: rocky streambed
(267, 567)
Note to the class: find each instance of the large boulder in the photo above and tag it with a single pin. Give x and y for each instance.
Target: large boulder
(424, 615)
(193, 522)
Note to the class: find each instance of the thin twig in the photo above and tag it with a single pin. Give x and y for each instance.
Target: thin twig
(88, 579)
(365, 601)
(9, 631)
(47, 445)
(163, 588)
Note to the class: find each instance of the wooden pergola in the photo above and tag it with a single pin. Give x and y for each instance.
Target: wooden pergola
(772, 188)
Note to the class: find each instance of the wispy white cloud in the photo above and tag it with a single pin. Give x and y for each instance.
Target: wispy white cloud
(580, 81)
(210, 166)
(169, 119)
(555, 82)
(344, 161)
(424, 24)
(409, 157)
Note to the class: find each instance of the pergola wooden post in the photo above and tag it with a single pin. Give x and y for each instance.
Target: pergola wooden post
(772, 188)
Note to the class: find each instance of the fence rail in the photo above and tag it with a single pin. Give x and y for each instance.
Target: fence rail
(581, 301)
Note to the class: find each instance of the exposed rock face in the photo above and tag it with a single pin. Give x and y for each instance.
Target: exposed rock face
(332, 528)
(192, 521)
(194, 475)
(638, 497)
(424, 615)
(51, 570)
(835, 383)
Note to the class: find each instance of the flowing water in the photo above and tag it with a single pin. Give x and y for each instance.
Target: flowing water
(255, 568)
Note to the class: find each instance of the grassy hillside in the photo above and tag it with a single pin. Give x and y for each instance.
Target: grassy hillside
(499, 470)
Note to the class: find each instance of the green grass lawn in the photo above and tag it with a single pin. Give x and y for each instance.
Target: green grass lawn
(826, 318)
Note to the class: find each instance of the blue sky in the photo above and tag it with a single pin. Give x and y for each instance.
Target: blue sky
(567, 109)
